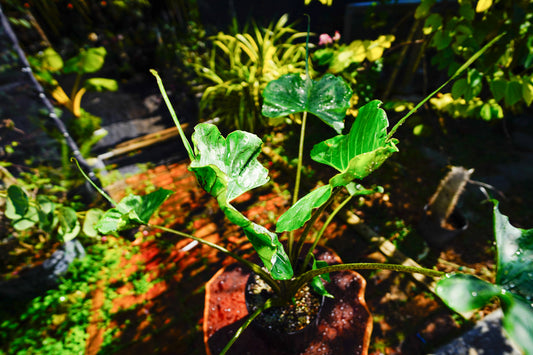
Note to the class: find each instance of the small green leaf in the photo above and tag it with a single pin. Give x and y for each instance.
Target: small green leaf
(423, 9)
(498, 88)
(316, 282)
(101, 84)
(296, 216)
(464, 293)
(131, 211)
(87, 61)
(69, 226)
(328, 98)
(91, 219)
(527, 91)
(51, 60)
(513, 93)
(362, 150)
(47, 218)
(17, 204)
(28, 220)
(432, 24)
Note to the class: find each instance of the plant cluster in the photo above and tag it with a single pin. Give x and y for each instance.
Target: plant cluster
(84, 127)
(239, 67)
(500, 81)
(227, 167)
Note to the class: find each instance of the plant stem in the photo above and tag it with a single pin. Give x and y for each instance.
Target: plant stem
(173, 114)
(254, 267)
(76, 86)
(239, 331)
(298, 179)
(323, 229)
(312, 221)
(309, 275)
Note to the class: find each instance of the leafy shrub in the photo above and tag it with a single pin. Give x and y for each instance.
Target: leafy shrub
(241, 65)
(503, 77)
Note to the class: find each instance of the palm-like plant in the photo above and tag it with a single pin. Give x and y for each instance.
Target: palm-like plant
(241, 65)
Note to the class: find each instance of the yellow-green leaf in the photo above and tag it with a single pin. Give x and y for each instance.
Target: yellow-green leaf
(483, 5)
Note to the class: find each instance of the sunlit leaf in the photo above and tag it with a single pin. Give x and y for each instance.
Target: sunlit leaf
(328, 98)
(362, 150)
(483, 5)
(131, 211)
(51, 60)
(227, 168)
(101, 84)
(91, 219)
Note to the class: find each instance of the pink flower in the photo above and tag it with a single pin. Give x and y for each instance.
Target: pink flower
(324, 39)
(337, 36)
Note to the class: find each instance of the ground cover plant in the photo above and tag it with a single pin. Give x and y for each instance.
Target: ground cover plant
(227, 167)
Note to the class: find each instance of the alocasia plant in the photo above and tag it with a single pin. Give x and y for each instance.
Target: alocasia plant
(226, 167)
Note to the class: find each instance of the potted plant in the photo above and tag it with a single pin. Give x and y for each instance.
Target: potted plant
(227, 167)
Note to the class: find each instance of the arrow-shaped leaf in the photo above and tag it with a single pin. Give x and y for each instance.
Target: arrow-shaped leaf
(328, 98)
(362, 150)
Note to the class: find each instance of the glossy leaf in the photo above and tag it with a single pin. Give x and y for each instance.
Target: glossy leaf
(483, 5)
(296, 216)
(227, 168)
(517, 321)
(515, 256)
(69, 226)
(362, 150)
(316, 282)
(328, 98)
(464, 293)
(229, 165)
(131, 211)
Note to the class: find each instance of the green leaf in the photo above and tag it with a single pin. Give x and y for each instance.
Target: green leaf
(296, 216)
(91, 219)
(228, 167)
(87, 61)
(513, 93)
(328, 98)
(17, 204)
(527, 91)
(69, 226)
(28, 220)
(464, 293)
(432, 24)
(459, 88)
(362, 150)
(498, 88)
(518, 314)
(515, 256)
(441, 40)
(316, 282)
(131, 211)
(423, 9)
(101, 84)
(47, 218)
(51, 60)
